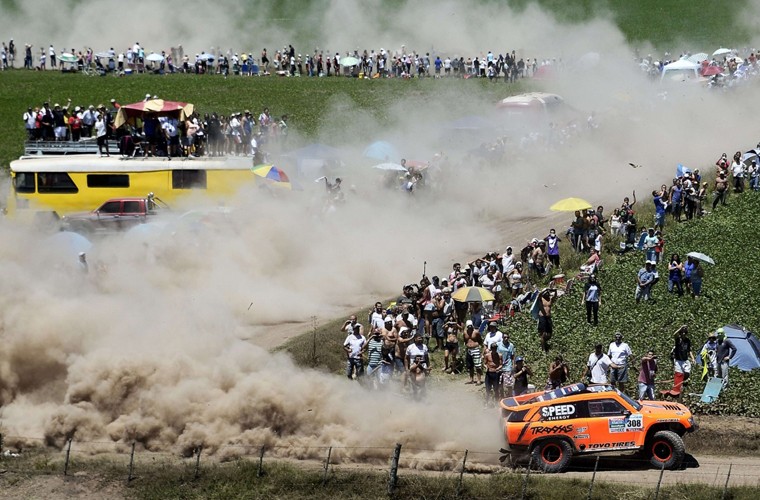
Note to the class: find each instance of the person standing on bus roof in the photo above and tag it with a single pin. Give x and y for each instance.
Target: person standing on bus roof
(101, 130)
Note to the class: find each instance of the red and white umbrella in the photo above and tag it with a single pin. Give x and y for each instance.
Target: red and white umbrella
(159, 107)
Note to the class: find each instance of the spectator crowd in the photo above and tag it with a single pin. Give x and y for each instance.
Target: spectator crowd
(429, 316)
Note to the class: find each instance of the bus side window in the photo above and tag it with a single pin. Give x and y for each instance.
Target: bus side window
(24, 182)
(55, 182)
(188, 179)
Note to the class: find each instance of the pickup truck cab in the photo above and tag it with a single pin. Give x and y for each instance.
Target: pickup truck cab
(550, 427)
(116, 214)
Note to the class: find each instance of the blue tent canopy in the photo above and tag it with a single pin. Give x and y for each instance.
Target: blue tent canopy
(382, 151)
(747, 355)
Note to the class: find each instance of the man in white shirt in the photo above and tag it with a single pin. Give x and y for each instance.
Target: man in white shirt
(493, 336)
(619, 352)
(597, 366)
(355, 345)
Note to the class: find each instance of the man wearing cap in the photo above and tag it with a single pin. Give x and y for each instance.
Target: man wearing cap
(472, 341)
(597, 366)
(355, 345)
(644, 281)
(493, 336)
(726, 350)
(619, 352)
(59, 121)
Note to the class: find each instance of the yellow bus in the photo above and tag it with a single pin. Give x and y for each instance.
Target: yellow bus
(45, 186)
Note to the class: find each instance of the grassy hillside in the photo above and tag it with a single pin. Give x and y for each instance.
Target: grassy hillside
(730, 287)
(305, 100)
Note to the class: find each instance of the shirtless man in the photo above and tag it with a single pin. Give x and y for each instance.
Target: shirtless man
(451, 349)
(472, 341)
(493, 374)
(721, 190)
(545, 328)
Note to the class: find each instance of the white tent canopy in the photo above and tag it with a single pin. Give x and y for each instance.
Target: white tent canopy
(682, 65)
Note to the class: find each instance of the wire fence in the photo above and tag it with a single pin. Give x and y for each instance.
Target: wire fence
(454, 470)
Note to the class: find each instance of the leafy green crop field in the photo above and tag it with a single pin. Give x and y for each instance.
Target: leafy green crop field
(730, 288)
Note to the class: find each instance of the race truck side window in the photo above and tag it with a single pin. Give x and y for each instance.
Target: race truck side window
(24, 182)
(132, 207)
(112, 207)
(605, 408)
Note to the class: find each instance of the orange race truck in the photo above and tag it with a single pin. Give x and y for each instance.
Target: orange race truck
(550, 427)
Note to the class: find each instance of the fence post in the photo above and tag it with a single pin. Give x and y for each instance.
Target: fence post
(260, 471)
(725, 488)
(130, 477)
(68, 453)
(659, 482)
(198, 463)
(527, 475)
(593, 478)
(393, 479)
(327, 466)
(461, 473)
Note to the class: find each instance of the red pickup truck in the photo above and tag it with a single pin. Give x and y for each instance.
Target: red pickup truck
(116, 214)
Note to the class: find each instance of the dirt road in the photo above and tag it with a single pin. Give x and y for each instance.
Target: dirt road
(704, 469)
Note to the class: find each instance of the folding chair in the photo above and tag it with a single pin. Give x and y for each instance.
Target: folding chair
(711, 391)
(675, 391)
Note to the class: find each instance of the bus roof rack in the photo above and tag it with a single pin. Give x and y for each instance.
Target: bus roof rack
(86, 146)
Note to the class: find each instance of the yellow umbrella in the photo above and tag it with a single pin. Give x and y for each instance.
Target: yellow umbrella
(472, 294)
(570, 205)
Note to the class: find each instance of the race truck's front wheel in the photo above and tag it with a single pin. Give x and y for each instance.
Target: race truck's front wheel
(552, 455)
(666, 449)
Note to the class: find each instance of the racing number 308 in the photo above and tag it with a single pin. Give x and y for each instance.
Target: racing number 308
(634, 423)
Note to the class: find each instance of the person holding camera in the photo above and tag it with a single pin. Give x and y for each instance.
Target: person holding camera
(558, 373)
(417, 364)
(647, 375)
(520, 373)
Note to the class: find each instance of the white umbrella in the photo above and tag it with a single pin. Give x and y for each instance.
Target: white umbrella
(349, 61)
(102, 54)
(153, 57)
(722, 51)
(67, 57)
(698, 58)
(701, 256)
(206, 57)
(394, 167)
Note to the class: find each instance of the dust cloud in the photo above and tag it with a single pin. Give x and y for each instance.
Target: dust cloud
(158, 342)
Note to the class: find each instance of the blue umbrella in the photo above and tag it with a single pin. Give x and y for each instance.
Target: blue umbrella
(69, 242)
(381, 150)
(681, 170)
